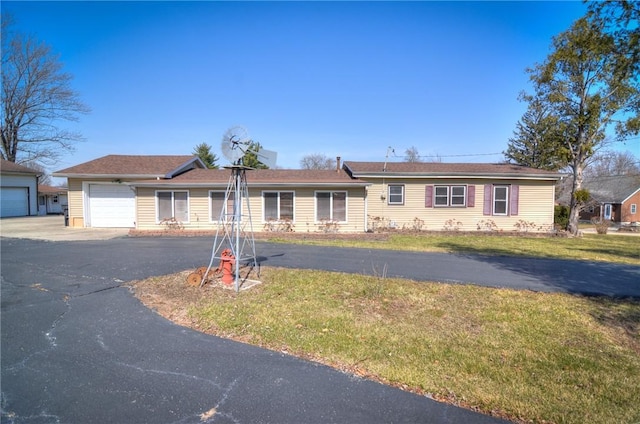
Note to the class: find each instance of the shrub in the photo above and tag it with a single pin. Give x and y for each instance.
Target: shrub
(524, 226)
(602, 225)
(561, 216)
(488, 225)
(452, 225)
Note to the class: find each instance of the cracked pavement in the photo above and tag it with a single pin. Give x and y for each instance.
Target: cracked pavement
(77, 347)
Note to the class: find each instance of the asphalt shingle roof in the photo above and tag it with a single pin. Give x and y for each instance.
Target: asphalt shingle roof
(260, 176)
(439, 168)
(13, 168)
(612, 189)
(147, 165)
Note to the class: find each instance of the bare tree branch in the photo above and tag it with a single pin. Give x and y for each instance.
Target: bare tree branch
(36, 98)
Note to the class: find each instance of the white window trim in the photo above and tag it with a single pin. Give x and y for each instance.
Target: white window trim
(634, 208)
(346, 205)
(389, 202)
(506, 200)
(173, 204)
(435, 196)
(450, 196)
(464, 196)
(264, 219)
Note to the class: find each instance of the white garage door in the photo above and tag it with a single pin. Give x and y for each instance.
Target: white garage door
(14, 201)
(111, 206)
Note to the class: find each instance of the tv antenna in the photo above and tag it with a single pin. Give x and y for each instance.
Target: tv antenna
(234, 241)
(386, 158)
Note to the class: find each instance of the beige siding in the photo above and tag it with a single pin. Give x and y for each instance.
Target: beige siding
(76, 205)
(200, 215)
(536, 202)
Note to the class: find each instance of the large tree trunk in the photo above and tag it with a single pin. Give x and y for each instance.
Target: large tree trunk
(574, 204)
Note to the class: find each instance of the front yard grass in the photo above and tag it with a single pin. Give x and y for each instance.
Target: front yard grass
(591, 247)
(520, 355)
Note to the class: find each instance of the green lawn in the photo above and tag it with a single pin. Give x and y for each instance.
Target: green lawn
(533, 357)
(591, 247)
(520, 355)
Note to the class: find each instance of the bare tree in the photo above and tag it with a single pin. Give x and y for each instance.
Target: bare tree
(316, 161)
(44, 178)
(610, 164)
(412, 155)
(36, 97)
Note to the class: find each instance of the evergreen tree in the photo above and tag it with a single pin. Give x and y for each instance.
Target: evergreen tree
(250, 158)
(203, 151)
(535, 141)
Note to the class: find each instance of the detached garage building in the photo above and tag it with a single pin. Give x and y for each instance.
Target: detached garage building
(19, 190)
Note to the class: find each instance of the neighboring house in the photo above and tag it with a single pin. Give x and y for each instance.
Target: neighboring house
(52, 200)
(458, 196)
(613, 198)
(19, 190)
(143, 192)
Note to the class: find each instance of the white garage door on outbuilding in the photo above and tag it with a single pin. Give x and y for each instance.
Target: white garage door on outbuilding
(14, 201)
(111, 206)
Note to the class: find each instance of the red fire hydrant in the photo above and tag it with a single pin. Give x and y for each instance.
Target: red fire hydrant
(227, 260)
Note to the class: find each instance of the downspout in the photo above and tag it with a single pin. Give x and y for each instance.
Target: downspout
(366, 209)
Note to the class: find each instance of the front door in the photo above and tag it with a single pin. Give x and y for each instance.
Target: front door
(607, 211)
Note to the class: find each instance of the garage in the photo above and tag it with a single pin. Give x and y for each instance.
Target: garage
(111, 206)
(15, 201)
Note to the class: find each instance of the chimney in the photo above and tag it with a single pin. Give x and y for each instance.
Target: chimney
(337, 163)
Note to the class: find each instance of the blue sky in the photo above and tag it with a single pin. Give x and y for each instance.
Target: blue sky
(345, 79)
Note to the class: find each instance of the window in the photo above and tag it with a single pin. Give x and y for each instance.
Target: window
(396, 194)
(172, 204)
(441, 196)
(219, 210)
(331, 205)
(450, 196)
(500, 200)
(634, 207)
(55, 198)
(278, 205)
(458, 195)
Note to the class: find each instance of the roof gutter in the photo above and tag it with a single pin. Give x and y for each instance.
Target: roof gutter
(450, 175)
(110, 176)
(174, 184)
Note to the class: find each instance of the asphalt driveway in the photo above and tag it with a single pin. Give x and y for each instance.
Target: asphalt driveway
(77, 347)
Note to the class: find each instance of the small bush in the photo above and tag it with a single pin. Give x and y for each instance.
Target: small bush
(378, 223)
(452, 225)
(561, 216)
(524, 226)
(487, 225)
(602, 225)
